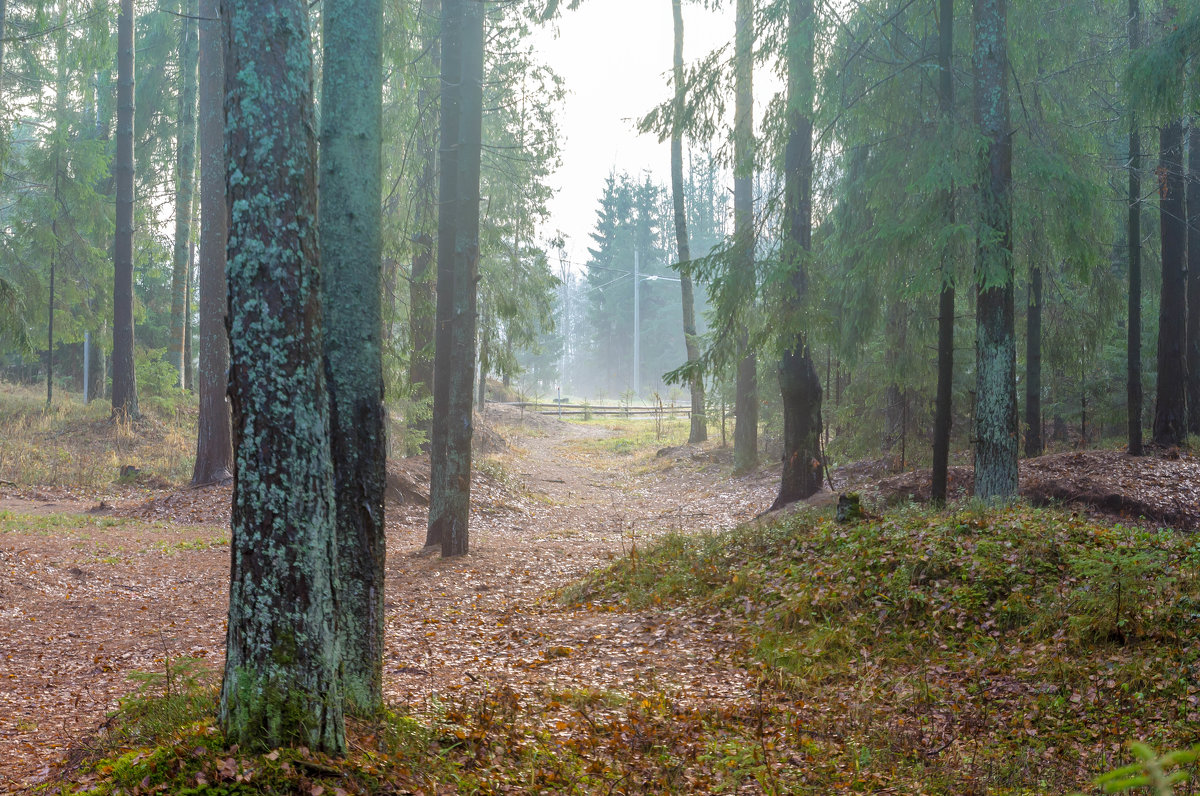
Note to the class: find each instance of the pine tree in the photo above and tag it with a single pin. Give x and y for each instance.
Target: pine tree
(214, 446)
(282, 659)
(350, 188)
(124, 391)
(995, 345)
(798, 380)
(458, 272)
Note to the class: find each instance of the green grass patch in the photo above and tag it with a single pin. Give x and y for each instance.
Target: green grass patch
(974, 651)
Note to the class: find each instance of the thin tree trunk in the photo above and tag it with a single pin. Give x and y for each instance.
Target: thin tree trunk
(214, 446)
(745, 431)
(943, 418)
(1034, 445)
(422, 301)
(1133, 383)
(485, 363)
(458, 273)
(3, 19)
(60, 123)
(282, 661)
(1170, 414)
(699, 425)
(189, 376)
(351, 281)
(1193, 278)
(996, 427)
(185, 172)
(124, 391)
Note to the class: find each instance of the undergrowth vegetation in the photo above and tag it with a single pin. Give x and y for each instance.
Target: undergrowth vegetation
(978, 651)
(72, 444)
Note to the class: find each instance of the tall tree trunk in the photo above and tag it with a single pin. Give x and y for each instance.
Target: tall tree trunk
(185, 172)
(799, 384)
(96, 369)
(1193, 279)
(1033, 361)
(1133, 377)
(943, 418)
(745, 432)
(458, 273)
(189, 376)
(214, 446)
(60, 136)
(1170, 414)
(699, 428)
(282, 657)
(3, 20)
(485, 364)
(996, 428)
(351, 283)
(124, 391)
(895, 395)
(421, 299)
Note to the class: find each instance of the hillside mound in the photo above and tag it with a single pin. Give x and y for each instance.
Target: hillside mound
(1163, 487)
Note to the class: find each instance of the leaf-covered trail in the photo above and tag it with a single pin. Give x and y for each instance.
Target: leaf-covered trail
(87, 599)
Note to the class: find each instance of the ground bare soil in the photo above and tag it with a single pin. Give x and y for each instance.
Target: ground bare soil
(104, 585)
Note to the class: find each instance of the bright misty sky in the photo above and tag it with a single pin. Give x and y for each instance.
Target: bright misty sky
(615, 59)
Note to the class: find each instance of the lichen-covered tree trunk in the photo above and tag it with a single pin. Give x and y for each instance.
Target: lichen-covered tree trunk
(943, 418)
(185, 171)
(282, 661)
(351, 285)
(214, 446)
(799, 384)
(1033, 361)
(745, 430)
(699, 426)
(124, 389)
(1170, 412)
(1133, 346)
(1193, 279)
(458, 274)
(422, 302)
(996, 428)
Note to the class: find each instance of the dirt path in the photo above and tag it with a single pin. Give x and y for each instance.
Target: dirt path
(85, 600)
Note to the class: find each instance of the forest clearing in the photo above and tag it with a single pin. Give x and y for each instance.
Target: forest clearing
(608, 633)
(599, 397)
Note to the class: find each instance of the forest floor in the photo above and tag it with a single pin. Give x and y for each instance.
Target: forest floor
(102, 586)
(95, 587)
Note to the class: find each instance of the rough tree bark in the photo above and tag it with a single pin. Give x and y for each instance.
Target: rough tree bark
(1170, 412)
(185, 172)
(699, 426)
(996, 428)
(124, 390)
(421, 299)
(458, 274)
(943, 418)
(351, 284)
(745, 431)
(214, 445)
(1133, 377)
(282, 661)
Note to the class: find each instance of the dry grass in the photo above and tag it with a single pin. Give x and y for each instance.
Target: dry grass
(70, 444)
